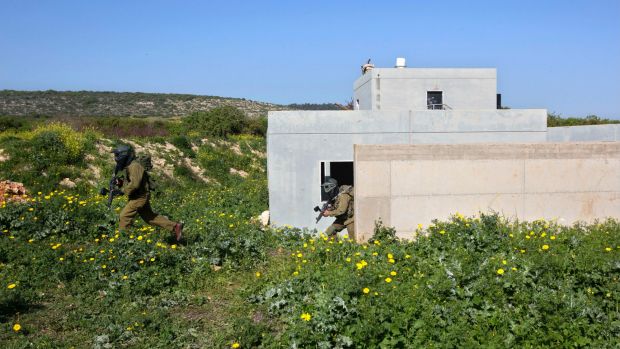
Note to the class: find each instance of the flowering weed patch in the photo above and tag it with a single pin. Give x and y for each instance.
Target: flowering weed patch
(68, 277)
(464, 283)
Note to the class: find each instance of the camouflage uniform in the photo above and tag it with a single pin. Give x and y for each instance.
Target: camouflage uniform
(343, 211)
(137, 190)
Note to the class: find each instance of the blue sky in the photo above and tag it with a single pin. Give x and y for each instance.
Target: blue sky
(559, 55)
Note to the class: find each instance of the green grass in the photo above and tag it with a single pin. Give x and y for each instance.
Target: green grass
(467, 282)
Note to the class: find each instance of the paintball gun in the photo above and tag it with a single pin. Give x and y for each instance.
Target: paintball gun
(326, 206)
(113, 189)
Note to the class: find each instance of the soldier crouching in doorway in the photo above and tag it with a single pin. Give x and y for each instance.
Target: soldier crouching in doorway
(137, 186)
(342, 208)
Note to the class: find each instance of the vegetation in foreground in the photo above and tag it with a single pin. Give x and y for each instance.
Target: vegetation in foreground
(68, 278)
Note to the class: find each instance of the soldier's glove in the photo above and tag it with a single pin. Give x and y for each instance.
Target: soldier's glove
(119, 182)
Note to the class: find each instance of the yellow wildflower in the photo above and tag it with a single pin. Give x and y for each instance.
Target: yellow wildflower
(258, 274)
(361, 264)
(17, 327)
(388, 280)
(500, 271)
(235, 345)
(366, 290)
(305, 316)
(11, 286)
(393, 273)
(545, 247)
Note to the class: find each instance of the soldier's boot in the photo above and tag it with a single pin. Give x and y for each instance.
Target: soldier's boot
(178, 231)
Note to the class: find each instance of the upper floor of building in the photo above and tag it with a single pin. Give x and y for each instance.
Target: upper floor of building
(404, 88)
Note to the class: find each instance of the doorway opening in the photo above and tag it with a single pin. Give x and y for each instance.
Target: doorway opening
(342, 171)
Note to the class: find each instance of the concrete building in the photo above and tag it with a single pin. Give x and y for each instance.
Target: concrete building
(395, 106)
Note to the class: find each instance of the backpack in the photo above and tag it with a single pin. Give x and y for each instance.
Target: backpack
(144, 159)
(348, 190)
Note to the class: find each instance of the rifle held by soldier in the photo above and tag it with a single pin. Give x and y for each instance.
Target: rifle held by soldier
(326, 206)
(113, 189)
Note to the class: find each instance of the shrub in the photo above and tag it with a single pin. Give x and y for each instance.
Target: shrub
(221, 121)
(14, 123)
(184, 144)
(257, 126)
(61, 137)
(556, 120)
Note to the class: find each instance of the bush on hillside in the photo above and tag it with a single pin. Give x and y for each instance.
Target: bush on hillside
(220, 122)
(14, 123)
(43, 157)
(185, 145)
(257, 126)
(556, 120)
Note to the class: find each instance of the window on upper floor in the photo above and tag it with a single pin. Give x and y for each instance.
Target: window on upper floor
(434, 100)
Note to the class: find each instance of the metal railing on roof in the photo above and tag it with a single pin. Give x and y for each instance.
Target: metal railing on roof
(438, 107)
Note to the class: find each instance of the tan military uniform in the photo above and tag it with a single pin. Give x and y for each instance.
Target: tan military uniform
(136, 188)
(343, 211)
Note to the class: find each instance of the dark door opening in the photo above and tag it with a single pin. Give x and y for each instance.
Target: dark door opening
(434, 100)
(342, 171)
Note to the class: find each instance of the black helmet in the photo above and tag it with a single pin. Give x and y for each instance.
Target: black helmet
(123, 155)
(329, 185)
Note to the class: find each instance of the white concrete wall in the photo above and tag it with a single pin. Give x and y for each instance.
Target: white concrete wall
(297, 142)
(407, 185)
(584, 133)
(406, 88)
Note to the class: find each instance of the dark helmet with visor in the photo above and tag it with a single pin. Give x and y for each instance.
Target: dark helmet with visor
(123, 155)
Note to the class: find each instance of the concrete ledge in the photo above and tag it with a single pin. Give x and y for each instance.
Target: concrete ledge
(584, 133)
(414, 121)
(479, 151)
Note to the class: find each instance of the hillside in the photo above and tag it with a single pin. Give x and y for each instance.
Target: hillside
(89, 103)
(70, 278)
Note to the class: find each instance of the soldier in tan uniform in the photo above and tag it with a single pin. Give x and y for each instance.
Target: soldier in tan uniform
(136, 186)
(342, 209)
